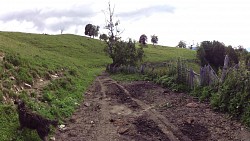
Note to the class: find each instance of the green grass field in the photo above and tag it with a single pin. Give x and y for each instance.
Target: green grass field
(162, 53)
(34, 56)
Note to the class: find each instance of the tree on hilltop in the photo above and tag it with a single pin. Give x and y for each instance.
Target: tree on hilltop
(154, 39)
(143, 39)
(182, 44)
(91, 30)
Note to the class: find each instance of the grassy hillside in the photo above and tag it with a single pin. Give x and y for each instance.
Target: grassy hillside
(162, 53)
(30, 57)
(34, 58)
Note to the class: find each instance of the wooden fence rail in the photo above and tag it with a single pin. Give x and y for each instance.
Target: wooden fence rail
(206, 77)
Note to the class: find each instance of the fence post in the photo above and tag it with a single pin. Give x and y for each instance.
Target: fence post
(191, 78)
(224, 71)
(142, 69)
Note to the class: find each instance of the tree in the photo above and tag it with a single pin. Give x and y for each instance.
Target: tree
(88, 30)
(212, 53)
(154, 39)
(103, 37)
(243, 55)
(96, 31)
(121, 52)
(233, 58)
(91, 30)
(143, 39)
(182, 44)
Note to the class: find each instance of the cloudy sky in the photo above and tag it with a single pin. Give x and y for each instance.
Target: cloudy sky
(193, 21)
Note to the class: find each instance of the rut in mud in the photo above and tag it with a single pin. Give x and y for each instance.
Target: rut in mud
(143, 111)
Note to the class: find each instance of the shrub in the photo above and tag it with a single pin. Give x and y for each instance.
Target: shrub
(13, 59)
(48, 97)
(233, 95)
(125, 53)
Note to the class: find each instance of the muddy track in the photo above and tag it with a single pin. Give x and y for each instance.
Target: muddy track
(142, 111)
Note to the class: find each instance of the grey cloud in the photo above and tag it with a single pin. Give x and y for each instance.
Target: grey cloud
(148, 11)
(74, 16)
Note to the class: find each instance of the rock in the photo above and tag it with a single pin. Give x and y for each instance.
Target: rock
(62, 127)
(190, 120)
(28, 86)
(12, 78)
(122, 130)
(86, 104)
(52, 139)
(192, 105)
(54, 76)
(4, 98)
(92, 122)
(16, 88)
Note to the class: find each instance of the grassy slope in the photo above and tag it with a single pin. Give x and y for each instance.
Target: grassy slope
(45, 53)
(162, 53)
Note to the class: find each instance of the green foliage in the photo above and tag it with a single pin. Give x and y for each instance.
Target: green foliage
(234, 95)
(23, 76)
(91, 30)
(182, 44)
(154, 39)
(103, 37)
(233, 58)
(126, 53)
(48, 97)
(14, 59)
(143, 39)
(212, 53)
(203, 93)
(173, 76)
(127, 77)
(32, 56)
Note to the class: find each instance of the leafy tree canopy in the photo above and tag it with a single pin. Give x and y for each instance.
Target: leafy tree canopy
(154, 39)
(182, 44)
(103, 37)
(143, 39)
(91, 30)
(212, 53)
(121, 53)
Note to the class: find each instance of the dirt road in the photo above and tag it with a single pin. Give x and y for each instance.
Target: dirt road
(143, 111)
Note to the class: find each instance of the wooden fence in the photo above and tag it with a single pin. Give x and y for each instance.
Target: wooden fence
(207, 76)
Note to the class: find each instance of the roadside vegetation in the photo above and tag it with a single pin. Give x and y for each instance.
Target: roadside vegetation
(230, 94)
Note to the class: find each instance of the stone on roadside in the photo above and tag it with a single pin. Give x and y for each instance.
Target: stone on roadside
(86, 104)
(52, 138)
(28, 86)
(192, 105)
(122, 130)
